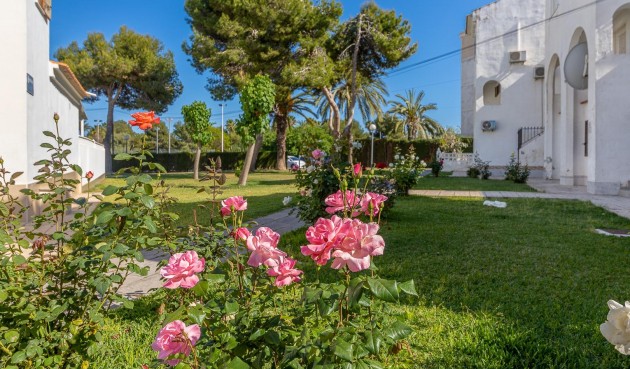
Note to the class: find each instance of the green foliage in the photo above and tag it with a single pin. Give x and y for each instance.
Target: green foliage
(515, 171)
(436, 166)
(197, 122)
(315, 183)
(451, 142)
(308, 136)
(257, 101)
(59, 275)
(412, 112)
(479, 169)
(406, 170)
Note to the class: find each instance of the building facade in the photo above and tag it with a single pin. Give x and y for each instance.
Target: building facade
(520, 64)
(33, 89)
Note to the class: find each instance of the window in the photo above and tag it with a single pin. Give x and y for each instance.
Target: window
(621, 20)
(492, 93)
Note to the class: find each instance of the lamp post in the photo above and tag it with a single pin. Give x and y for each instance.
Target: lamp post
(126, 138)
(157, 139)
(222, 106)
(372, 130)
(169, 135)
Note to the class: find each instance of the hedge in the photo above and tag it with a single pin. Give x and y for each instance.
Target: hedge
(184, 161)
(384, 150)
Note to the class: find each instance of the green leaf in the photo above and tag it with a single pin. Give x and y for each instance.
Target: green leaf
(77, 169)
(231, 307)
(344, 350)
(104, 217)
(145, 178)
(150, 224)
(49, 134)
(384, 289)
(197, 314)
(355, 291)
(4, 210)
(148, 201)
(123, 156)
(3, 295)
(15, 175)
(256, 335)
(19, 259)
(408, 287)
(148, 189)
(182, 366)
(128, 304)
(102, 284)
(215, 278)
(373, 342)
(272, 338)
(237, 363)
(11, 336)
(160, 167)
(397, 331)
(109, 190)
(18, 357)
(46, 145)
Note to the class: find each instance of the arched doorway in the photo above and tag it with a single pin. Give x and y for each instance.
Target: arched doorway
(578, 104)
(553, 129)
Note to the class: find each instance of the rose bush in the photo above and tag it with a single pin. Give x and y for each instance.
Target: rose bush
(616, 329)
(257, 309)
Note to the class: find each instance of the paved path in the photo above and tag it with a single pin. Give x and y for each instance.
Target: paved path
(547, 190)
(136, 286)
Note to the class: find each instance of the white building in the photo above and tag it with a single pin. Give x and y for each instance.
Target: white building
(33, 88)
(514, 55)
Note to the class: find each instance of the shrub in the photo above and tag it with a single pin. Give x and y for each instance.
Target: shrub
(480, 168)
(515, 171)
(406, 170)
(436, 167)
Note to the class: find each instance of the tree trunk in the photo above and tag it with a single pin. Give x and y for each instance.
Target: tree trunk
(197, 158)
(282, 123)
(350, 139)
(109, 134)
(335, 122)
(242, 179)
(257, 147)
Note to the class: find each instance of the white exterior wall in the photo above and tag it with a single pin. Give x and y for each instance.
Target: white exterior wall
(92, 157)
(38, 118)
(13, 95)
(521, 94)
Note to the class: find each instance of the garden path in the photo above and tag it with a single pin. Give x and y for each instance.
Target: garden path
(547, 190)
(136, 286)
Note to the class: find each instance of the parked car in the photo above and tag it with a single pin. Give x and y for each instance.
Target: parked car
(294, 162)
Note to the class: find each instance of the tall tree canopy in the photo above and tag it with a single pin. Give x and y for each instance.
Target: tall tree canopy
(131, 71)
(412, 112)
(237, 40)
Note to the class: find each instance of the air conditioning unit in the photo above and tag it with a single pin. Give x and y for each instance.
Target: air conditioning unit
(539, 72)
(517, 56)
(488, 125)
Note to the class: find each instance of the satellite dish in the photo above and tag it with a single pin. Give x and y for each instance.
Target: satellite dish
(576, 67)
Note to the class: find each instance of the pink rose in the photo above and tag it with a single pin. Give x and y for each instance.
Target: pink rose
(232, 204)
(89, 175)
(181, 268)
(323, 237)
(285, 272)
(263, 248)
(242, 233)
(336, 202)
(175, 338)
(318, 154)
(357, 170)
(371, 203)
(359, 245)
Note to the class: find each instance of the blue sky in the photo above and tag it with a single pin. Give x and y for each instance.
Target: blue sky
(436, 26)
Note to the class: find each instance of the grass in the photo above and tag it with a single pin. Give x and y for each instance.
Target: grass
(264, 193)
(469, 184)
(520, 287)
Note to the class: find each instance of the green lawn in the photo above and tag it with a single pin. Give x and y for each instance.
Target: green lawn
(264, 193)
(520, 287)
(469, 184)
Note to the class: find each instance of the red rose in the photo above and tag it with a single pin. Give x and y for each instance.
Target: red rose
(144, 120)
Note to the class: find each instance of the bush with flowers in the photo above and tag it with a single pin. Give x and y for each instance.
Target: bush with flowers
(255, 308)
(406, 170)
(60, 275)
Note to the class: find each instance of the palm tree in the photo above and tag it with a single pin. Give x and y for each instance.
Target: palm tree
(370, 99)
(287, 105)
(412, 111)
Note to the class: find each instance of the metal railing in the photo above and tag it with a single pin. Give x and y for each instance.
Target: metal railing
(527, 134)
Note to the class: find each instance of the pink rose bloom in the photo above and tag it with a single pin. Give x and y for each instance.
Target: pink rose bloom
(264, 250)
(231, 204)
(175, 338)
(359, 245)
(371, 203)
(242, 233)
(267, 235)
(336, 203)
(323, 237)
(318, 154)
(181, 268)
(357, 170)
(285, 272)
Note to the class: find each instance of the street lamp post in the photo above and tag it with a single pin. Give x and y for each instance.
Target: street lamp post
(372, 130)
(169, 135)
(157, 139)
(126, 138)
(222, 106)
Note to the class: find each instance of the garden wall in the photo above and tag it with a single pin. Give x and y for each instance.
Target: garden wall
(384, 150)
